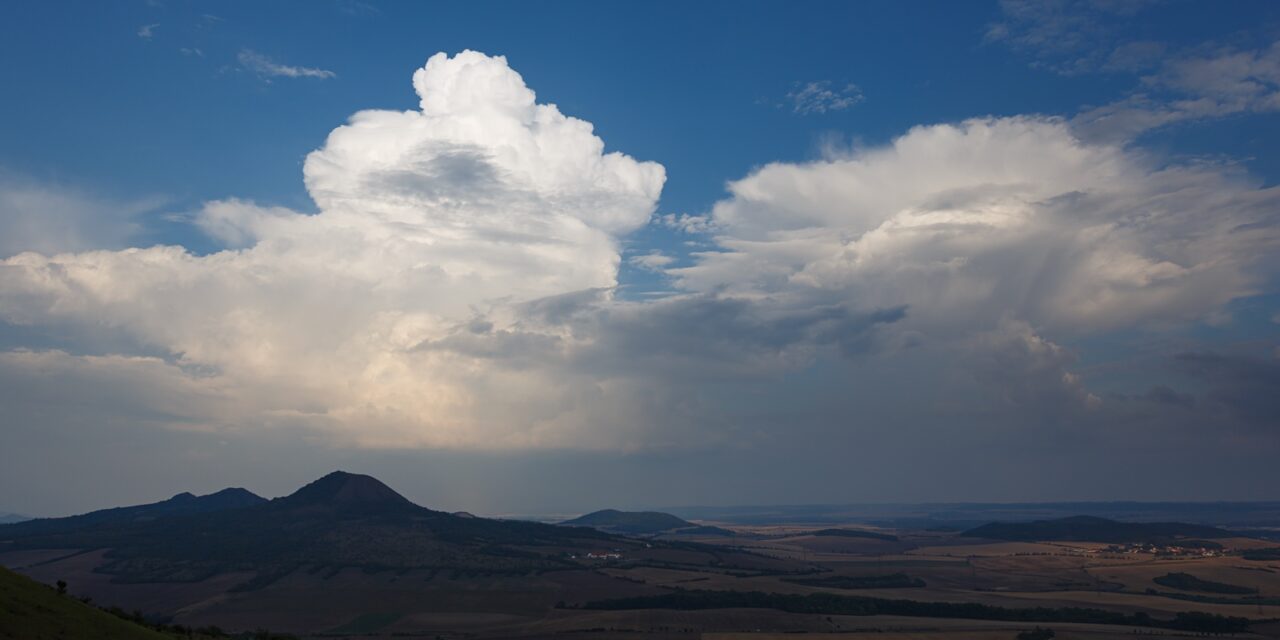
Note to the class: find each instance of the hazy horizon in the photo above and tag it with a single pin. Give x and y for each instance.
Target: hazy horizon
(569, 510)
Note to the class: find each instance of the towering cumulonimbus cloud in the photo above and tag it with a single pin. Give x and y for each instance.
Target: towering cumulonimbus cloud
(425, 217)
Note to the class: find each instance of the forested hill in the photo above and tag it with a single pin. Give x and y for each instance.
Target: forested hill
(342, 519)
(630, 521)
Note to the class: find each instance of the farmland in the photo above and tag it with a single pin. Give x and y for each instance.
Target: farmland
(911, 566)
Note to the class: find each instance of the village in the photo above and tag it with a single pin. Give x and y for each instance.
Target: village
(1196, 549)
(598, 555)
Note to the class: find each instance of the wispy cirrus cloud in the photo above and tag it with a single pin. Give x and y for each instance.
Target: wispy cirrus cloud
(1192, 87)
(653, 261)
(1174, 83)
(267, 68)
(358, 8)
(146, 31)
(1068, 37)
(823, 96)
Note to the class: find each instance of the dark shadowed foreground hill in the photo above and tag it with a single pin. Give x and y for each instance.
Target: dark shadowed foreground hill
(1091, 529)
(33, 611)
(342, 519)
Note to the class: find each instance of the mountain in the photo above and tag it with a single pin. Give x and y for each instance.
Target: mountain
(183, 503)
(1094, 529)
(348, 555)
(636, 522)
(342, 490)
(10, 518)
(340, 520)
(33, 611)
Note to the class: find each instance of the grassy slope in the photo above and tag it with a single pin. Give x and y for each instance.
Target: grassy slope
(32, 611)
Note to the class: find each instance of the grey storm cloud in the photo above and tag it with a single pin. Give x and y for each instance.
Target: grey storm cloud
(1245, 386)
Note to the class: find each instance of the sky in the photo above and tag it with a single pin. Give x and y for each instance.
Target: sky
(550, 257)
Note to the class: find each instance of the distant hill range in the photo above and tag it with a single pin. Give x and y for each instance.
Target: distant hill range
(962, 516)
(342, 519)
(642, 523)
(181, 504)
(10, 518)
(1093, 529)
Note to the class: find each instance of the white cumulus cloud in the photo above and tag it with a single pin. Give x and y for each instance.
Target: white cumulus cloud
(967, 224)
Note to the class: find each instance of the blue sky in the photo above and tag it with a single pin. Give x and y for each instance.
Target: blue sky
(701, 88)
(1124, 153)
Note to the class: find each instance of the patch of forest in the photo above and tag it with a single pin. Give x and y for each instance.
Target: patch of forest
(891, 581)
(1188, 582)
(834, 604)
